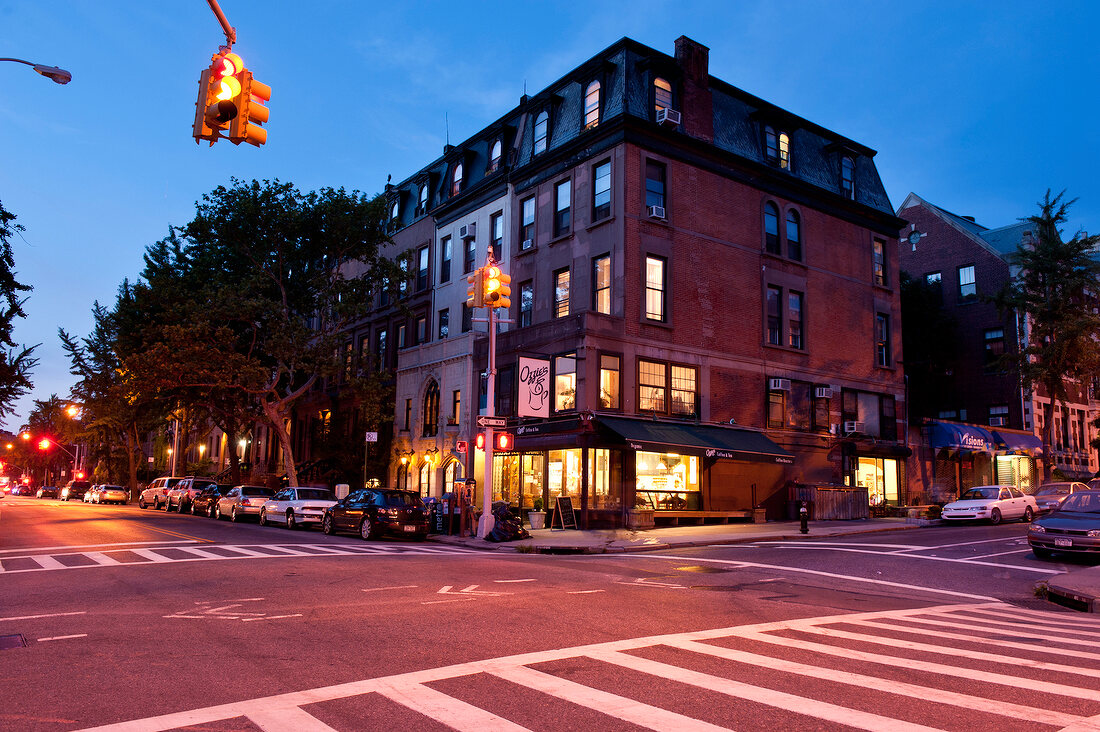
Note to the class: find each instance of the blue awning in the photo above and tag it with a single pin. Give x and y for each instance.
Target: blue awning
(1018, 443)
(956, 436)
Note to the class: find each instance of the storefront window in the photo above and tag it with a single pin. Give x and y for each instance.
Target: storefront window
(600, 496)
(1014, 470)
(667, 481)
(564, 475)
(533, 468)
(880, 477)
(506, 478)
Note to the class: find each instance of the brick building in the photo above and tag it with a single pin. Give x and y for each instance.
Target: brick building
(704, 294)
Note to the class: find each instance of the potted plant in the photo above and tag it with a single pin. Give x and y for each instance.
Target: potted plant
(537, 517)
(641, 516)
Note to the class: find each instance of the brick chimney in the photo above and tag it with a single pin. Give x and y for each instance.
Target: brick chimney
(696, 106)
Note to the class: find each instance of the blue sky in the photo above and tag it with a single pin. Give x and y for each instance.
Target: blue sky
(977, 107)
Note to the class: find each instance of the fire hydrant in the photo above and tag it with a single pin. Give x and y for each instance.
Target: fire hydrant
(803, 518)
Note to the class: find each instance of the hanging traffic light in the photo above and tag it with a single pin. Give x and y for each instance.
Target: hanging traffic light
(475, 293)
(44, 444)
(219, 90)
(251, 111)
(503, 441)
(496, 289)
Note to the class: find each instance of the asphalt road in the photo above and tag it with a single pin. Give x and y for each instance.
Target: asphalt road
(111, 614)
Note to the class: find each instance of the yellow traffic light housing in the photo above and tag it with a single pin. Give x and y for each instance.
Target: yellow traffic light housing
(251, 110)
(475, 293)
(496, 287)
(219, 90)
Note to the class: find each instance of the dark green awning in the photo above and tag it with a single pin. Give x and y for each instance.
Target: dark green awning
(731, 443)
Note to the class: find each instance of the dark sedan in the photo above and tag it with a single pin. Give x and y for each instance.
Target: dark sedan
(372, 513)
(1073, 527)
(49, 491)
(206, 502)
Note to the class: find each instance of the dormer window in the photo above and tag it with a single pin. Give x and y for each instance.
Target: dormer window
(592, 105)
(662, 94)
(777, 148)
(422, 207)
(456, 180)
(395, 212)
(542, 128)
(494, 155)
(784, 151)
(847, 183)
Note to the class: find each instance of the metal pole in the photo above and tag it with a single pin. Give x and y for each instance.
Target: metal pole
(485, 525)
(230, 34)
(175, 443)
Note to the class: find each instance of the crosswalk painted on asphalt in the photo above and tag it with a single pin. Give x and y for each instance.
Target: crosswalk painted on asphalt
(944, 667)
(39, 561)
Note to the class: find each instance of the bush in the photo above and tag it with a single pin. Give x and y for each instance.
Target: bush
(933, 512)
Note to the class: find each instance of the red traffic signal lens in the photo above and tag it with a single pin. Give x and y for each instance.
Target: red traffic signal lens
(44, 445)
(228, 65)
(503, 440)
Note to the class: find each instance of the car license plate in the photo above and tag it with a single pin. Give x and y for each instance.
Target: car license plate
(408, 528)
(1063, 542)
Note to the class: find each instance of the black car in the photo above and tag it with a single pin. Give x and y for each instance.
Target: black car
(206, 502)
(49, 491)
(75, 490)
(372, 513)
(1073, 527)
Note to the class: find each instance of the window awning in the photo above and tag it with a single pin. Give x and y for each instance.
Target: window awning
(956, 436)
(731, 443)
(1018, 443)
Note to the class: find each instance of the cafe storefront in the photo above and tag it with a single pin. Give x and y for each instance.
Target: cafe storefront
(610, 465)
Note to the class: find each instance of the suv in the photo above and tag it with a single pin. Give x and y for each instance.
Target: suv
(182, 493)
(75, 490)
(154, 495)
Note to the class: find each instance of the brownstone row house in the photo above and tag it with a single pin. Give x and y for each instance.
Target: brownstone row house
(704, 296)
(979, 425)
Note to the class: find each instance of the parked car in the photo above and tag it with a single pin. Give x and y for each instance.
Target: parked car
(112, 494)
(242, 501)
(1073, 527)
(206, 502)
(992, 502)
(154, 495)
(296, 507)
(1094, 484)
(1050, 495)
(181, 494)
(372, 513)
(89, 495)
(22, 490)
(48, 491)
(75, 490)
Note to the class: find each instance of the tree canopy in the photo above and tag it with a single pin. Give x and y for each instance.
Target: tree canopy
(16, 362)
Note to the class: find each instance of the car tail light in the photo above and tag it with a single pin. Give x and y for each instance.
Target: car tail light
(246, 502)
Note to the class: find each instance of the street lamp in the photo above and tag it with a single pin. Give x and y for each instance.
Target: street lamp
(54, 73)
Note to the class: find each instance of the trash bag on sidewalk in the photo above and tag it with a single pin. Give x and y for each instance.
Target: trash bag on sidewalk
(506, 527)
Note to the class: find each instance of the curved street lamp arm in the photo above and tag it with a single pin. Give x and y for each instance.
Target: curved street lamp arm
(54, 73)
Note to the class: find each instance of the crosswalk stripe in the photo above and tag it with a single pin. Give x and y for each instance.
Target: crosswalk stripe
(1017, 612)
(979, 639)
(951, 651)
(901, 688)
(286, 718)
(47, 562)
(101, 558)
(1028, 685)
(152, 556)
(1027, 628)
(613, 705)
(446, 709)
(820, 709)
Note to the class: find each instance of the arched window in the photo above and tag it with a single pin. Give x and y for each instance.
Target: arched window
(494, 155)
(847, 184)
(542, 124)
(431, 410)
(456, 182)
(592, 105)
(794, 236)
(423, 198)
(771, 145)
(451, 473)
(395, 211)
(425, 487)
(784, 151)
(662, 94)
(403, 477)
(771, 228)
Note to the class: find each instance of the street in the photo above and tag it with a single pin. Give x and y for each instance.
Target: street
(129, 619)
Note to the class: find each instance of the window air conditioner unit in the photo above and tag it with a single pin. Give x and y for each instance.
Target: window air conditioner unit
(853, 426)
(823, 392)
(468, 231)
(996, 421)
(527, 244)
(779, 384)
(656, 212)
(668, 117)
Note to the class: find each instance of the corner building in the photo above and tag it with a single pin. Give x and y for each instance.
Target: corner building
(704, 296)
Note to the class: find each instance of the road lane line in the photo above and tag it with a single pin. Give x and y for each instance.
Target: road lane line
(45, 615)
(63, 637)
(841, 543)
(195, 539)
(396, 587)
(805, 706)
(1018, 550)
(88, 546)
(514, 580)
(286, 718)
(901, 688)
(1041, 570)
(445, 709)
(961, 543)
(613, 705)
(583, 592)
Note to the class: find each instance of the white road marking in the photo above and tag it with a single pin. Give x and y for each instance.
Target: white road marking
(964, 637)
(63, 637)
(842, 543)
(1001, 554)
(457, 599)
(800, 570)
(101, 558)
(287, 718)
(961, 543)
(395, 587)
(583, 592)
(470, 590)
(412, 689)
(45, 615)
(272, 617)
(87, 546)
(1040, 570)
(47, 562)
(514, 580)
(152, 556)
(649, 582)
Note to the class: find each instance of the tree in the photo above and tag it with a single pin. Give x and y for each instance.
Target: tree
(16, 362)
(1054, 287)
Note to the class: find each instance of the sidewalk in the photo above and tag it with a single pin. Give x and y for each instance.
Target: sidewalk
(604, 541)
(1077, 590)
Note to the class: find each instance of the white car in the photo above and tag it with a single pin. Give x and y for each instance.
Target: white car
(994, 503)
(296, 507)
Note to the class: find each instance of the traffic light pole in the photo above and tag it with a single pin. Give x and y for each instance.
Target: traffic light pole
(485, 524)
